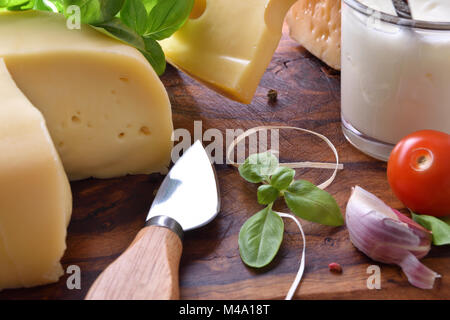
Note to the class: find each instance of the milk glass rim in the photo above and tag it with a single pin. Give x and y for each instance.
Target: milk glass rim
(400, 21)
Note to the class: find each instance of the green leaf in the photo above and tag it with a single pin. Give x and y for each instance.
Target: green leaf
(267, 194)
(282, 178)
(258, 167)
(149, 4)
(41, 5)
(166, 17)
(134, 15)
(95, 11)
(12, 3)
(440, 229)
(155, 55)
(149, 48)
(122, 32)
(260, 238)
(311, 203)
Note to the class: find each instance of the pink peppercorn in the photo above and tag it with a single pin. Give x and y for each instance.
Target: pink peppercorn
(335, 267)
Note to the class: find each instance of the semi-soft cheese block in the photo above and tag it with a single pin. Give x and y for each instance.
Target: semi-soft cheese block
(430, 10)
(316, 25)
(35, 198)
(228, 44)
(106, 109)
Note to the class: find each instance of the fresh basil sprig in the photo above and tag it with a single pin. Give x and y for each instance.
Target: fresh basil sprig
(261, 235)
(94, 11)
(260, 238)
(140, 23)
(440, 229)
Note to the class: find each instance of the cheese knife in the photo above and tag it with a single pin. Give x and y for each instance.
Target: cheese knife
(187, 199)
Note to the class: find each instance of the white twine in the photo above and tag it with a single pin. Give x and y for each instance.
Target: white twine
(295, 165)
(301, 269)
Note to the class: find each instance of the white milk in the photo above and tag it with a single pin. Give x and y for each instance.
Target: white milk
(395, 80)
(385, 6)
(430, 10)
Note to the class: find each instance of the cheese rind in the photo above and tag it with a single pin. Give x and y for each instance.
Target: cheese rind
(316, 25)
(229, 45)
(35, 198)
(106, 109)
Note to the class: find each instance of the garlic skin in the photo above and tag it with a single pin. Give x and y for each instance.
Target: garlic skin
(387, 236)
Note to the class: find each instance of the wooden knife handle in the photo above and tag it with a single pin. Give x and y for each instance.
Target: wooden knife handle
(147, 270)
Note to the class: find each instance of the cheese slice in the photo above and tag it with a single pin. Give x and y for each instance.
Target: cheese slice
(228, 44)
(430, 10)
(35, 198)
(316, 25)
(106, 109)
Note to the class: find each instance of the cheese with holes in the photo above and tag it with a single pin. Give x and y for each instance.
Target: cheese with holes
(430, 10)
(228, 44)
(35, 198)
(106, 109)
(316, 25)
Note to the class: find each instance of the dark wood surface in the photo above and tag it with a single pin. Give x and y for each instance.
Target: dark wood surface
(108, 214)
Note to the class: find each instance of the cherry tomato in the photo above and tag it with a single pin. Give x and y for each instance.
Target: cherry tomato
(419, 172)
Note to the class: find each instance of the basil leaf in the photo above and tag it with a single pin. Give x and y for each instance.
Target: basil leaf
(122, 32)
(59, 4)
(149, 4)
(167, 16)
(267, 194)
(313, 204)
(260, 238)
(134, 15)
(149, 48)
(282, 178)
(12, 3)
(155, 55)
(440, 229)
(42, 5)
(95, 11)
(258, 167)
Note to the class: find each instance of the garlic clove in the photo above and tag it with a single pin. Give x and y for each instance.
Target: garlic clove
(410, 222)
(417, 273)
(387, 236)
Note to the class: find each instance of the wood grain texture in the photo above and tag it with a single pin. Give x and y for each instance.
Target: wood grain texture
(147, 270)
(108, 214)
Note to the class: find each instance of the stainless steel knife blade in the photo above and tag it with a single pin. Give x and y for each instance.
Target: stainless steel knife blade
(189, 193)
(187, 199)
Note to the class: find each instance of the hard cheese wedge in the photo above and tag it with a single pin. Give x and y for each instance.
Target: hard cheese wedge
(35, 198)
(229, 43)
(316, 25)
(106, 109)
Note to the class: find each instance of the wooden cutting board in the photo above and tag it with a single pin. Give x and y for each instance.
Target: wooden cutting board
(108, 213)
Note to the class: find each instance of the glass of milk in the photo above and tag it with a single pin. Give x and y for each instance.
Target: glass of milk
(395, 77)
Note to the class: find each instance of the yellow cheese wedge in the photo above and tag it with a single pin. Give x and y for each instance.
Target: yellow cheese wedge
(35, 198)
(106, 109)
(316, 25)
(228, 44)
